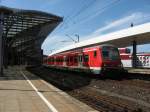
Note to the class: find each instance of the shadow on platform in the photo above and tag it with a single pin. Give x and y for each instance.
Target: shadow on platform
(13, 73)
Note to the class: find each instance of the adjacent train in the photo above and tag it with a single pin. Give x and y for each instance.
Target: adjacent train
(143, 59)
(95, 59)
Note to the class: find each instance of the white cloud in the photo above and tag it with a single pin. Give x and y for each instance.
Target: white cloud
(125, 21)
(121, 22)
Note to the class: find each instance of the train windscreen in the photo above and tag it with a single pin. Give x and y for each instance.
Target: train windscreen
(110, 53)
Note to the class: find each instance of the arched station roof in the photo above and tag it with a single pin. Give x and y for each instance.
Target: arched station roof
(25, 30)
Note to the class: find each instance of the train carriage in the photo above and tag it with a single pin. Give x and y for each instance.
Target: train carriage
(95, 59)
(143, 59)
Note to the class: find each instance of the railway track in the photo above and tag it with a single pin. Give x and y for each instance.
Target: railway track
(90, 91)
(137, 80)
(103, 102)
(139, 89)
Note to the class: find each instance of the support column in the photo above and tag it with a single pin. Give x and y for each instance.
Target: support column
(134, 56)
(41, 57)
(1, 44)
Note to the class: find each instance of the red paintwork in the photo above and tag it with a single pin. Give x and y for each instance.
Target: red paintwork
(94, 61)
(71, 59)
(128, 56)
(125, 56)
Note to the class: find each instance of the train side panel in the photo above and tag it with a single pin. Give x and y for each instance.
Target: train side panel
(92, 59)
(143, 59)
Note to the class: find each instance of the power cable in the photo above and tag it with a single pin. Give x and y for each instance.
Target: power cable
(84, 7)
(97, 11)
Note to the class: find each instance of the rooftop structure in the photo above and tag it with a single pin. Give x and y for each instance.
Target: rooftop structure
(22, 34)
(122, 38)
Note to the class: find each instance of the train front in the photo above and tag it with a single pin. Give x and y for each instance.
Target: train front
(111, 61)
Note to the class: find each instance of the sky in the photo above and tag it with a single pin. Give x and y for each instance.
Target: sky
(87, 18)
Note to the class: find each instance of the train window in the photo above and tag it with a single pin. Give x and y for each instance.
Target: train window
(75, 59)
(110, 53)
(49, 59)
(128, 50)
(86, 58)
(67, 59)
(71, 59)
(95, 53)
(105, 54)
(81, 58)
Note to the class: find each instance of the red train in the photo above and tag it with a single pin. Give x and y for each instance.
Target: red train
(143, 59)
(96, 59)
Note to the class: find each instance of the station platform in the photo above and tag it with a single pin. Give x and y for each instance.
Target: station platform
(138, 70)
(21, 91)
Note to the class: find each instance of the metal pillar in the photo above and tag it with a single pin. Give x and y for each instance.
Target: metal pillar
(134, 56)
(1, 44)
(77, 37)
(41, 57)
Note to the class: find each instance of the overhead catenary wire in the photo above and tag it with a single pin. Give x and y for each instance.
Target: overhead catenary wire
(69, 19)
(97, 12)
(82, 9)
(85, 18)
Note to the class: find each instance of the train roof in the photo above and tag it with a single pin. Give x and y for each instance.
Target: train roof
(79, 50)
(122, 38)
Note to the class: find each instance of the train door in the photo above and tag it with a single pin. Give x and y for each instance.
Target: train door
(80, 60)
(86, 59)
(64, 61)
